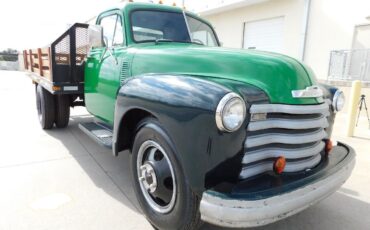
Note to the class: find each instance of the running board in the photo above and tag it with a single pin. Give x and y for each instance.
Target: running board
(99, 133)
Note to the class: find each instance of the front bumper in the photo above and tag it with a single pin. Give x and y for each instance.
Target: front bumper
(228, 211)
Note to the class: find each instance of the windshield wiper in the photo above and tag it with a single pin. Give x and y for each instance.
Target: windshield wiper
(170, 40)
(162, 40)
(197, 42)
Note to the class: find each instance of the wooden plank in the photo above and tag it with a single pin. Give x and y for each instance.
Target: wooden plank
(45, 51)
(45, 64)
(39, 54)
(50, 64)
(25, 59)
(36, 70)
(47, 74)
(31, 61)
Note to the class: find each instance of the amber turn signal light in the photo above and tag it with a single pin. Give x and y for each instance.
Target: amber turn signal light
(279, 165)
(328, 146)
(56, 88)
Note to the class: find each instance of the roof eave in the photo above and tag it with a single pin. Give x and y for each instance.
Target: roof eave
(227, 7)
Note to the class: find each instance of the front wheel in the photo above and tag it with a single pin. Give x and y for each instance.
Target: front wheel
(159, 182)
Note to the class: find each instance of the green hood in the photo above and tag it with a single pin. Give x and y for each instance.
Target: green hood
(275, 74)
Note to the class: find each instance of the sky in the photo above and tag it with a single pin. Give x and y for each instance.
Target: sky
(26, 24)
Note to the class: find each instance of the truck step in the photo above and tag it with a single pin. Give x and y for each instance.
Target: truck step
(99, 133)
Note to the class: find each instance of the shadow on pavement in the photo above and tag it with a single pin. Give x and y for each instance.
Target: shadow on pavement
(117, 169)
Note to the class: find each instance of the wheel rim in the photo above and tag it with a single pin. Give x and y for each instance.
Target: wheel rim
(156, 177)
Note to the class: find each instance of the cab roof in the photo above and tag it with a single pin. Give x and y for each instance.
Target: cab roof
(131, 6)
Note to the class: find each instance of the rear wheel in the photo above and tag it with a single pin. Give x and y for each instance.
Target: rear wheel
(160, 184)
(45, 107)
(62, 111)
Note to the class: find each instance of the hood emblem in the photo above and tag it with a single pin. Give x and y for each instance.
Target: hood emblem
(311, 91)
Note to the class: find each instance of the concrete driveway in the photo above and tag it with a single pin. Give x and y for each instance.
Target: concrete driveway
(60, 179)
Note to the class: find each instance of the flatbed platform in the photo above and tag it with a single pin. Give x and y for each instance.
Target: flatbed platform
(59, 68)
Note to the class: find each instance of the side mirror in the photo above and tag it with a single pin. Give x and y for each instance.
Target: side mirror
(96, 36)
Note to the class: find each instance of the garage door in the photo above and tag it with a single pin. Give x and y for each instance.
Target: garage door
(267, 35)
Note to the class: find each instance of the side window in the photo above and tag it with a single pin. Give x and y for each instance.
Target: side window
(112, 30)
(201, 32)
(118, 35)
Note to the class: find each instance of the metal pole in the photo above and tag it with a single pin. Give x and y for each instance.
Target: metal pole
(353, 103)
(306, 16)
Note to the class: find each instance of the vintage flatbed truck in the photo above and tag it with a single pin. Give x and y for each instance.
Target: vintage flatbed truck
(236, 138)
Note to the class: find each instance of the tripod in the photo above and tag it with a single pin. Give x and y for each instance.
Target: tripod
(360, 104)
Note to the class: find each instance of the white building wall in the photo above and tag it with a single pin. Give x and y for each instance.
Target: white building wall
(229, 25)
(331, 26)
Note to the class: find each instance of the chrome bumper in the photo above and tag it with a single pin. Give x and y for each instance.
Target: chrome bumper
(223, 211)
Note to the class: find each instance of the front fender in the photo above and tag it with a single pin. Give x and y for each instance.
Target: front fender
(185, 107)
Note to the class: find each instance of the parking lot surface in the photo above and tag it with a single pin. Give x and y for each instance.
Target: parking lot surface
(61, 179)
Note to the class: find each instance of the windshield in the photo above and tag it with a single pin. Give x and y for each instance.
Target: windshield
(150, 25)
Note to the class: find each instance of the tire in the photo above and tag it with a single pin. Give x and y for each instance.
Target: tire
(45, 107)
(62, 111)
(179, 209)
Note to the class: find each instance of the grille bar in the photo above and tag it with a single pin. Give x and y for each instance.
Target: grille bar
(258, 155)
(267, 166)
(291, 109)
(269, 138)
(289, 124)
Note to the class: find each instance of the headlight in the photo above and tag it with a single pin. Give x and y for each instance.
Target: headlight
(338, 100)
(230, 112)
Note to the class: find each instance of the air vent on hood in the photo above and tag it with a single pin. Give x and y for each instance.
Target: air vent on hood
(125, 72)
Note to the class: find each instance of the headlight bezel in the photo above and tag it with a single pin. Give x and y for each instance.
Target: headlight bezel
(228, 98)
(337, 95)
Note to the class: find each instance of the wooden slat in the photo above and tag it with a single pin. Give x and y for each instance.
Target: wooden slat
(31, 60)
(50, 65)
(47, 74)
(45, 51)
(25, 59)
(36, 70)
(39, 54)
(46, 64)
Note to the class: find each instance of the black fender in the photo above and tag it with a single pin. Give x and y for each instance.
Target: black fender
(185, 107)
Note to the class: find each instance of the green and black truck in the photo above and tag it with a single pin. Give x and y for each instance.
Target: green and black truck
(236, 138)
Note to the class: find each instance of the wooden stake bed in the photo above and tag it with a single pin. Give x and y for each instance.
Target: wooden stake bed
(59, 68)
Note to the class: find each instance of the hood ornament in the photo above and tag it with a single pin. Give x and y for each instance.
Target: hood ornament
(311, 91)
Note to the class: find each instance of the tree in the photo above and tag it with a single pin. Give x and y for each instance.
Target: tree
(9, 55)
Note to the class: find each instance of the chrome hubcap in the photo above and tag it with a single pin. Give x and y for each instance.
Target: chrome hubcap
(156, 177)
(148, 178)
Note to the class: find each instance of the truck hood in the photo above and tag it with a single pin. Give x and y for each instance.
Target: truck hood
(277, 75)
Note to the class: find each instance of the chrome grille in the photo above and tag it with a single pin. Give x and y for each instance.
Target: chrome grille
(296, 132)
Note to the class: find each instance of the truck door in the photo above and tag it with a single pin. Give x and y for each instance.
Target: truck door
(103, 66)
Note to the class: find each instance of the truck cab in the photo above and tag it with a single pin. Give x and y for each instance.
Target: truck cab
(236, 138)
